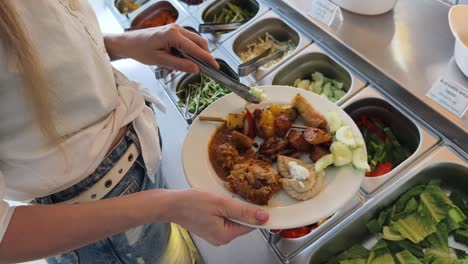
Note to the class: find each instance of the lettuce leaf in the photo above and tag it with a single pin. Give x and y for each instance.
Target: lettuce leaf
(415, 227)
(405, 257)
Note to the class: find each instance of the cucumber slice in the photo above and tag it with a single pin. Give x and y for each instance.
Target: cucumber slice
(326, 89)
(338, 94)
(324, 162)
(303, 84)
(359, 141)
(334, 121)
(341, 153)
(311, 87)
(360, 159)
(296, 82)
(346, 136)
(324, 95)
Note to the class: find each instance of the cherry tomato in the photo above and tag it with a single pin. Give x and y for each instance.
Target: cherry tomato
(383, 168)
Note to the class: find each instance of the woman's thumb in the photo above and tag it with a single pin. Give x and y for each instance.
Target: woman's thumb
(245, 213)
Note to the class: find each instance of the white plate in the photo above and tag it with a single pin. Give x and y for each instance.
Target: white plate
(285, 212)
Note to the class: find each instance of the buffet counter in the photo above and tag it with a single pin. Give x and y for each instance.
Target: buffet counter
(387, 64)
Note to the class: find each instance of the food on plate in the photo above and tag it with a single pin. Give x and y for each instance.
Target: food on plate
(271, 148)
(226, 150)
(254, 180)
(317, 152)
(265, 123)
(347, 148)
(331, 89)
(312, 117)
(243, 152)
(298, 232)
(204, 92)
(283, 167)
(304, 184)
(414, 229)
(384, 150)
(261, 44)
(296, 139)
(317, 136)
(232, 13)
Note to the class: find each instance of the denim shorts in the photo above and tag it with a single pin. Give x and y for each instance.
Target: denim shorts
(143, 244)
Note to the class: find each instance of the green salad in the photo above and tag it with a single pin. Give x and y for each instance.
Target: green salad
(415, 229)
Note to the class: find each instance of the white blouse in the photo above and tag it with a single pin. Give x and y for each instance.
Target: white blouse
(91, 102)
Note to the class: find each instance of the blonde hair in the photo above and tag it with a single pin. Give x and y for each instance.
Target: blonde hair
(15, 39)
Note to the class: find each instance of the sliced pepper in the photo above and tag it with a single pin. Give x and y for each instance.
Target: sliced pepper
(249, 124)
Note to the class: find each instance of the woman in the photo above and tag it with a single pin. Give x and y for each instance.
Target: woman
(77, 139)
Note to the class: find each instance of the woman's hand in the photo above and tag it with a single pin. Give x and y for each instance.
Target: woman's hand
(206, 215)
(152, 46)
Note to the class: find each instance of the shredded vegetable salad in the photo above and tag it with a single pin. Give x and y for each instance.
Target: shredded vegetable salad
(206, 92)
(263, 43)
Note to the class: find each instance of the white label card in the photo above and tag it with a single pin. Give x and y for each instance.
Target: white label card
(450, 95)
(324, 11)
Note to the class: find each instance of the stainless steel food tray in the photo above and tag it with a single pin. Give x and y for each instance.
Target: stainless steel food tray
(371, 99)
(269, 22)
(288, 248)
(181, 79)
(309, 60)
(126, 20)
(199, 14)
(443, 163)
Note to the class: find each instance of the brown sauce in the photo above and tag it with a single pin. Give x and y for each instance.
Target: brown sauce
(223, 135)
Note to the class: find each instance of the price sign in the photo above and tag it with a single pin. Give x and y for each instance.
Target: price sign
(450, 95)
(324, 11)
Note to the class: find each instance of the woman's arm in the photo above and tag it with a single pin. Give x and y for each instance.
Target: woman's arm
(44, 230)
(152, 46)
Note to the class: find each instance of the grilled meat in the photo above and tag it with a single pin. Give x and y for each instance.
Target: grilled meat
(296, 139)
(282, 125)
(317, 152)
(254, 180)
(316, 136)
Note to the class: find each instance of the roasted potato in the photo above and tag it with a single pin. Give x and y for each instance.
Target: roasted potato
(235, 120)
(265, 123)
(288, 110)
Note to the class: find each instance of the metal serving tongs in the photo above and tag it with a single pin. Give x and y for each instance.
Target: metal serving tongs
(250, 66)
(238, 88)
(217, 27)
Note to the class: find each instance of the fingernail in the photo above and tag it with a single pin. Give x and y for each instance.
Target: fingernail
(261, 216)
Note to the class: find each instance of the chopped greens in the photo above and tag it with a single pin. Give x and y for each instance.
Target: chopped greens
(415, 229)
(232, 13)
(331, 89)
(204, 92)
